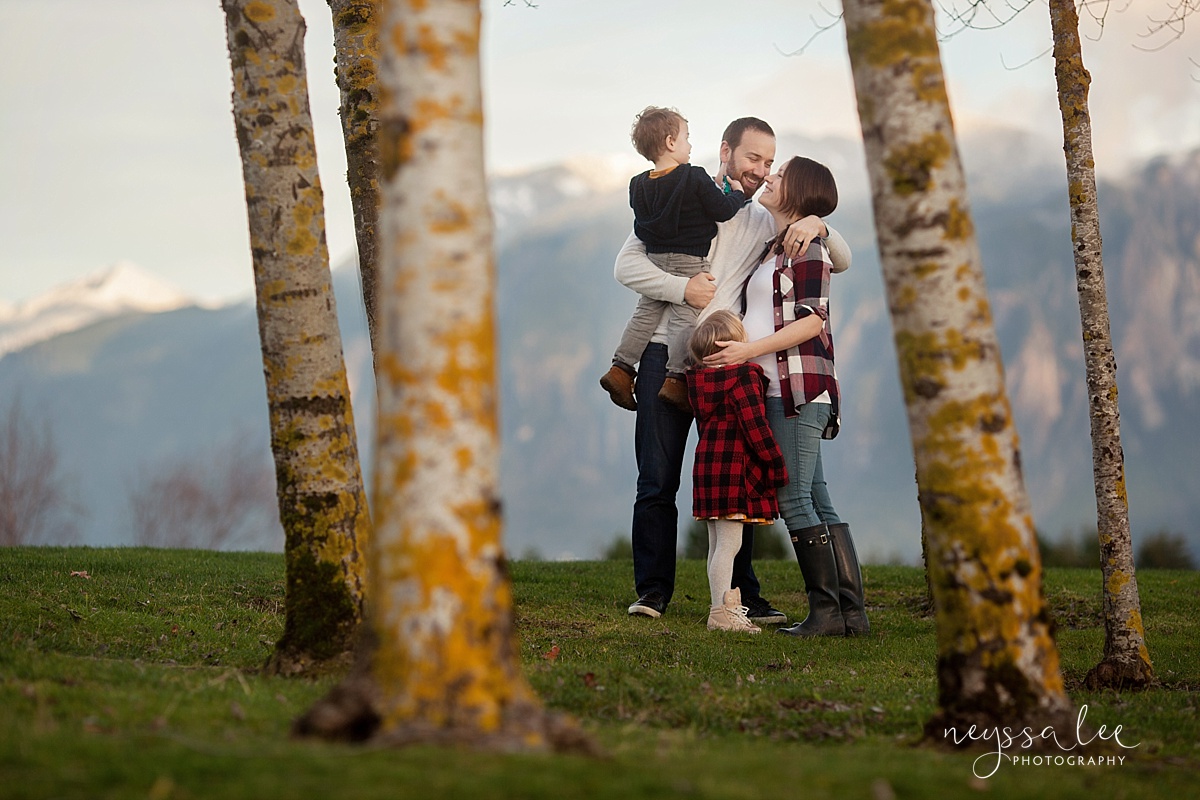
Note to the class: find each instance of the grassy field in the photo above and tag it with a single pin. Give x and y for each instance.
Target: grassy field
(129, 673)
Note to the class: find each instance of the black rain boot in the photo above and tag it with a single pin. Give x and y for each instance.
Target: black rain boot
(850, 584)
(815, 555)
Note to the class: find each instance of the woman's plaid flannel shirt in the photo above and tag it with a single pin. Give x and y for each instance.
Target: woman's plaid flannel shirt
(801, 288)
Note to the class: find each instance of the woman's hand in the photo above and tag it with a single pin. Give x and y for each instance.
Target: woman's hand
(732, 353)
(799, 235)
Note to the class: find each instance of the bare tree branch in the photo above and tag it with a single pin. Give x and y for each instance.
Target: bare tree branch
(1173, 25)
(34, 503)
(225, 498)
(835, 19)
(978, 15)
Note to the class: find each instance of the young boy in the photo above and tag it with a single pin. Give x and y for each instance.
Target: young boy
(676, 208)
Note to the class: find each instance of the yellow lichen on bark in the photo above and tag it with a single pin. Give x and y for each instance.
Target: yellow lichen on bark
(925, 356)
(926, 269)
(259, 12)
(927, 82)
(1116, 582)
(450, 216)
(302, 243)
(455, 608)
(436, 51)
(900, 33)
(1134, 622)
(958, 222)
(911, 165)
(470, 368)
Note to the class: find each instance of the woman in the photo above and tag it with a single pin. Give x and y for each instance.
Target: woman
(785, 306)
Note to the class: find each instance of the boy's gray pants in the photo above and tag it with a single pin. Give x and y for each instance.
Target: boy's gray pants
(681, 318)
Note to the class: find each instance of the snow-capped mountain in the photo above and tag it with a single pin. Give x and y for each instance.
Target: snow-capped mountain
(549, 194)
(110, 292)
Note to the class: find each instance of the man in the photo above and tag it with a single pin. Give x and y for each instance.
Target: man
(661, 431)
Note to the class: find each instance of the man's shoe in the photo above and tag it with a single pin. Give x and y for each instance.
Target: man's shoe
(762, 613)
(618, 382)
(651, 604)
(674, 392)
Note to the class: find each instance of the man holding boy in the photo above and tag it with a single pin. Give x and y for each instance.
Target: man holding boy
(661, 431)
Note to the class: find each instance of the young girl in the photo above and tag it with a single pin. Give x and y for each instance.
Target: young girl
(738, 465)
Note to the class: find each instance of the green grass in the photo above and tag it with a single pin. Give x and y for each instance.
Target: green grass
(142, 681)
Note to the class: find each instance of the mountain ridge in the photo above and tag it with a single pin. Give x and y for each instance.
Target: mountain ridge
(122, 386)
(117, 289)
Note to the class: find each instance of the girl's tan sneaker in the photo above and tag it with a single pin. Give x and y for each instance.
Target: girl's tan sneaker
(731, 616)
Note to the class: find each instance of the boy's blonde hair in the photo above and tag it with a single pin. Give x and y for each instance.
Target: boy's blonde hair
(651, 129)
(719, 326)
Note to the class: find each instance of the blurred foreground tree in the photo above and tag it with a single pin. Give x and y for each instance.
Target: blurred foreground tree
(442, 665)
(322, 503)
(34, 506)
(997, 661)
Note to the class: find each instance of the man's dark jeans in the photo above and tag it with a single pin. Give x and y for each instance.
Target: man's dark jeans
(660, 438)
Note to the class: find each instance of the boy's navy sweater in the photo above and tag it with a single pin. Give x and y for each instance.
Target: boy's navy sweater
(678, 212)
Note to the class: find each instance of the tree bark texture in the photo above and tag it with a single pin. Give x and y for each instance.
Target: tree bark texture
(1126, 660)
(444, 665)
(356, 43)
(997, 660)
(322, 501)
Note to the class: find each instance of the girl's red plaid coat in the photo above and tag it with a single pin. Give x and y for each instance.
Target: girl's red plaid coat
(738, 463)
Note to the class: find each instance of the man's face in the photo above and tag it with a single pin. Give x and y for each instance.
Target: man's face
(750, 162)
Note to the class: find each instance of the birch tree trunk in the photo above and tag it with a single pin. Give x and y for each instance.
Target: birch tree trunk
(997, 661)
(1126, 660)
(443, 666)
(322, 502)
(356, 43)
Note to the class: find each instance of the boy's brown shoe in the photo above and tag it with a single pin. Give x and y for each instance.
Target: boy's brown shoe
(674, 393)
(619, 385)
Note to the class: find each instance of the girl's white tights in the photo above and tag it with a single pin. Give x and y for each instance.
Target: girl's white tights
(724, 541)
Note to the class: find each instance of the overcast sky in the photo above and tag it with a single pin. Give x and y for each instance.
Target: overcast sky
(117, 141)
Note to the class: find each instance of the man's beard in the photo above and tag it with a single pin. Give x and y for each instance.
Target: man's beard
(749, 186)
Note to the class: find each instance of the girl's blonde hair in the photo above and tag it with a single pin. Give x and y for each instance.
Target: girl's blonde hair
(719, 326)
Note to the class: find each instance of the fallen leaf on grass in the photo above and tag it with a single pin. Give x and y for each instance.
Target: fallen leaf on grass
(80, 574)
(551, 654)
(882, 790)
(589, 680)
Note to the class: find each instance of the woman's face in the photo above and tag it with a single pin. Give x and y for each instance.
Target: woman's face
(772, 193)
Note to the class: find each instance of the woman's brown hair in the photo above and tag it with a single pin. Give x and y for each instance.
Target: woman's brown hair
(808, 189)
